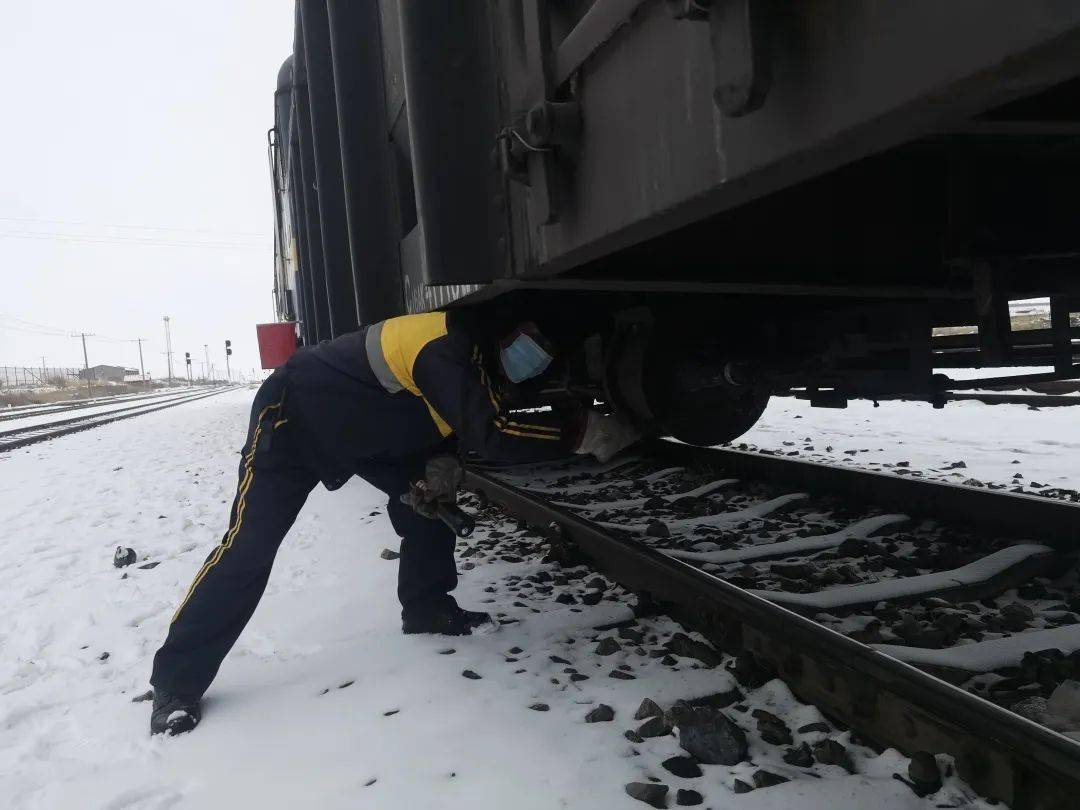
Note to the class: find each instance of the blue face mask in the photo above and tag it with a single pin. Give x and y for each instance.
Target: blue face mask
(524, 359)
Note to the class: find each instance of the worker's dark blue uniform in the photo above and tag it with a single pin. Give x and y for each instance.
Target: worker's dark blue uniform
(375, 403)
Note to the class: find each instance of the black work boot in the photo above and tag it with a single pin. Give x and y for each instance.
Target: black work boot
(173, 714)
(448, 621)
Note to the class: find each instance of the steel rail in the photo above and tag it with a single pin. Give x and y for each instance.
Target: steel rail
(1000, 754)
(8, 414)
(86, 423)
(4, 434)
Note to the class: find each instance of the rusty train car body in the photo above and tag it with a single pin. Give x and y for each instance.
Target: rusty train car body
(729, 199)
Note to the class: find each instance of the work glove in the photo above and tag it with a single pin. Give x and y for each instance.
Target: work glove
(442, 478)
(605, 435)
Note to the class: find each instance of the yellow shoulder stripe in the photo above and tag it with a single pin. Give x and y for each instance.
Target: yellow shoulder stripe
(403, 338)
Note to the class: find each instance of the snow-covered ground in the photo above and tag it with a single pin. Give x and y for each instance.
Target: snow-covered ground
(324, 703)
(996, 443)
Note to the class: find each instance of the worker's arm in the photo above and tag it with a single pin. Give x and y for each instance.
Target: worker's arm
(451, 378)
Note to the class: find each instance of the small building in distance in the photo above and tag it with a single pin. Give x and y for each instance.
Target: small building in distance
(108, 373)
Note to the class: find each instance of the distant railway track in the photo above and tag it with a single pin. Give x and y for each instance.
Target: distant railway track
(28, 411)
(21, 437)
(913, 611)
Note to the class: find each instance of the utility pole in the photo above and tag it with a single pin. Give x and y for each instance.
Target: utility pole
(86, 361)
(142, 368)
(168, 346)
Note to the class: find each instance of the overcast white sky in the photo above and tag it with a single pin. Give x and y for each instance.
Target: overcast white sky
(133, 130)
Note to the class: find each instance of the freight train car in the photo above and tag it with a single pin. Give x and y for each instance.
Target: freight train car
(727, 200)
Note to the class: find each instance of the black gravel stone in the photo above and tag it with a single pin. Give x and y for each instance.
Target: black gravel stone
(682, 644)
(124, 556)
(555, 659)
(654, 727)
(748, 672)
(631, 635)
(657, 528)
(802, 570)
(145, 696)
(810, 728)
(924, 773)
(801, 757)
(739, 786)
(566, 599)
(830, 752)
(389, 554)
(601, 714)
(539, 707)
(684, 767)
(768, 779)
(711, 737)
(472, 676)
(688, 798)
(619, 675)
(648, 708)
(592, 598)
(607, 646)
(577, 676)
(654, 795)
(771, 728)
(633, 736)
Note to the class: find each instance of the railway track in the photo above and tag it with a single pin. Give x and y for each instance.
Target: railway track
(28, 411)
(925, 616)
(21, 437)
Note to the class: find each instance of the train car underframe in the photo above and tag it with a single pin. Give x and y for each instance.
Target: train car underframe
(941, 233)
(714, 202)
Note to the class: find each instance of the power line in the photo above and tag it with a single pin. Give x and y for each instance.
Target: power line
(32, 323)
(118, 240)
(23, 330)
(242, 234)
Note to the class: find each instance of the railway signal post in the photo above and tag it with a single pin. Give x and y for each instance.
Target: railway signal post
(228, 352)
(187, 360)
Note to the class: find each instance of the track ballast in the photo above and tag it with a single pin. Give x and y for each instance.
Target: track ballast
(918, 613)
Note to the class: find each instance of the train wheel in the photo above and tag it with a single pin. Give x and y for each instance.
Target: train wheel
(718, 421)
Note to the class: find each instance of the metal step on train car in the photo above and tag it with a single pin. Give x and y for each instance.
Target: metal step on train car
(725, 200)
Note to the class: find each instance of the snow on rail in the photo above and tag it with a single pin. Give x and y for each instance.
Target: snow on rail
(722, 520)
(598, 486)
(799, 545)
(984, 656)
(635, 503)
(846, 596)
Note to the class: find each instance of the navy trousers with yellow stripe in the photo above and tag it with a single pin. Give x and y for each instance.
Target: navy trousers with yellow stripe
(274, 482)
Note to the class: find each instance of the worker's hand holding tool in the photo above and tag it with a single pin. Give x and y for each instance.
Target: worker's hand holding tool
(435, 495)
(442, 479)
(605, 435)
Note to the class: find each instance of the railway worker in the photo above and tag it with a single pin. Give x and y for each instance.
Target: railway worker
(393, 403)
